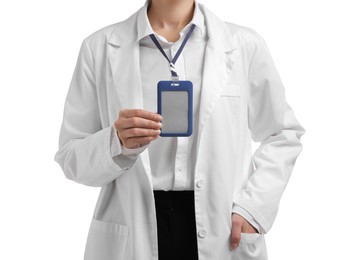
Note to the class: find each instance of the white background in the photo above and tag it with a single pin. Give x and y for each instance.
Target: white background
(315, 45)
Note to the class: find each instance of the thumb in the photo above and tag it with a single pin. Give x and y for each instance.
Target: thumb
(235, 234)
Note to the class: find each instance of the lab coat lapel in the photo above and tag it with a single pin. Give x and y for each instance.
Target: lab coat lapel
(218, 63)
(124, 73)
(124, 67)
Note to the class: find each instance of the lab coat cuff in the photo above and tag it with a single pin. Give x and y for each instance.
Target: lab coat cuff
(115, 148)
(133, 152)
(246, 215)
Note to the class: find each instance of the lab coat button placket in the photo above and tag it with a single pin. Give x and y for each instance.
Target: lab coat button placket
(202, 233)
(200, 184)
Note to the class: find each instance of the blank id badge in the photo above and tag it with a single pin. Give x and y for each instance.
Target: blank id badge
(175, 105)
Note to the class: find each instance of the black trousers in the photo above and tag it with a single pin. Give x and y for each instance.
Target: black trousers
(175, 213)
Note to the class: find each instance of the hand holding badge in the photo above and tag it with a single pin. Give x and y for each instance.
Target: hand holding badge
(175, 97)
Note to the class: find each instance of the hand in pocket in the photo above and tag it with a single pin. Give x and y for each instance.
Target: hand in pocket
(239, 225)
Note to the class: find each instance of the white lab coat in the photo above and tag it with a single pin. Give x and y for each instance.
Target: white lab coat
(242, 99)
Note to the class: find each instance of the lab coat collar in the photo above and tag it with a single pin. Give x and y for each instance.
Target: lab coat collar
(220, 36)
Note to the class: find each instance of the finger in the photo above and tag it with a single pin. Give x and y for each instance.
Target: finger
(235, 234)
(138, 122)
(128, 113)
(138, 141)
(138, 132)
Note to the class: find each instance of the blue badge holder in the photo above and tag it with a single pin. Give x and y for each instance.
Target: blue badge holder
(175, 105)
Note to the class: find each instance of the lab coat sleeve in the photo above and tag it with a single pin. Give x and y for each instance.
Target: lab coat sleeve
(273, 124)
(85, 147)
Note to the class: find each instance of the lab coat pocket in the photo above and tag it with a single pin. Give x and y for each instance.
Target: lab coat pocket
(106, 241)
(252, 247)
(232, 101)
(231, 91)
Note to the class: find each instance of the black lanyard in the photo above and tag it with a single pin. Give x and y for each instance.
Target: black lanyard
(173, 61)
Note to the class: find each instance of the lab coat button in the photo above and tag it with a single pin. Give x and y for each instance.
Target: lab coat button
(202, 233)
(180, 169)
(200, 184)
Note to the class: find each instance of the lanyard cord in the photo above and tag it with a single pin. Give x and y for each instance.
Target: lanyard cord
(173, 61)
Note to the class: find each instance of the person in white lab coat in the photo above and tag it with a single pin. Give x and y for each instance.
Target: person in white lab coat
(109, 136)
